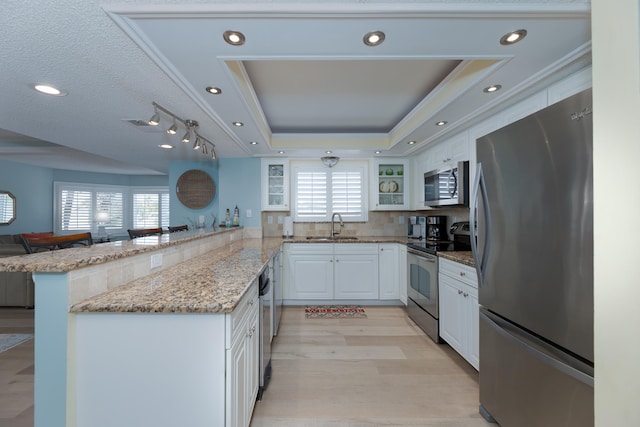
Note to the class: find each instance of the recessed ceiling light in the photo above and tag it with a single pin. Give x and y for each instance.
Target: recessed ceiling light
(492, 88)
(280, 152)
(411, 142)
(328, 152)
(238, 124)
(441, 123)
(254, 143)
(513, 37)
(49, 90)
(373, 38)
(167, 146)
(214, 90)
(378, 152)
(234, 38)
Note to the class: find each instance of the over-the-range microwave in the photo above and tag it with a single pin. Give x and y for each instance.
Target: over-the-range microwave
(447, 186)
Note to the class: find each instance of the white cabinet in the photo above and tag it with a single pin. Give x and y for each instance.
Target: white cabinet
(402, 267)
(459, 311)
(356, 271)
(447, 153)
(327, 271)
(126, 374)
(275, 184)
(310, 268)
(242, 362)
(389, 271)
(390, 184)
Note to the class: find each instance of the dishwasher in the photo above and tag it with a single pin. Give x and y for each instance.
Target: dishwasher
(266, 317)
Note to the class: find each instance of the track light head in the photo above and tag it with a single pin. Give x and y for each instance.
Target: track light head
(173, 129)
(196, 145)
(186, 137)
(155, 119)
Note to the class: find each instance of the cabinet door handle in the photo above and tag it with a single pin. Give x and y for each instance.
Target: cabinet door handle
(466, 294)
(459, 292)
(462, 273)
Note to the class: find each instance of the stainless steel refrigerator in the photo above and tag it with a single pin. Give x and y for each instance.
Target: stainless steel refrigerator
(533, 214)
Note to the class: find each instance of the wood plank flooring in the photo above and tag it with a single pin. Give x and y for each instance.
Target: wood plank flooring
(378, 371)
(16, 370)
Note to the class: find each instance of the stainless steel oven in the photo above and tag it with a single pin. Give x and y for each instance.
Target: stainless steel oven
(422, 291)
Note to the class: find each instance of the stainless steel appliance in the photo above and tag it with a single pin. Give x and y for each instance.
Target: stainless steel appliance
(417, 227)
(437, 227)
(447, 186)
(534, 257)
(422, 274)
(266, 316)
(277, 285)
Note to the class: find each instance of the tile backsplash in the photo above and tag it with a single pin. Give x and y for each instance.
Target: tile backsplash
(387, 223)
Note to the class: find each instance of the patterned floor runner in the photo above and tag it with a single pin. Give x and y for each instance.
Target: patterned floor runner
(334, 312)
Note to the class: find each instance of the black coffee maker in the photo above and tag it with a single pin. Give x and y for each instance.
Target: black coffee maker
(437, 228)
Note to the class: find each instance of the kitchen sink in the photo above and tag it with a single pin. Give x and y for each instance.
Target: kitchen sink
(329, 239)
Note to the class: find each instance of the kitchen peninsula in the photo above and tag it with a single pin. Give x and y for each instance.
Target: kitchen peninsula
(135, 332)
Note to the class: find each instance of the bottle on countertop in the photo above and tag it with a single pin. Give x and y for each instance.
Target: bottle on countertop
(227, 219)
(236, 216)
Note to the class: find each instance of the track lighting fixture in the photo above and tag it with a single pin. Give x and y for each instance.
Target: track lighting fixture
(190, 126)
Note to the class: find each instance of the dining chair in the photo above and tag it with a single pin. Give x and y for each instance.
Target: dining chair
(142, 232)
(51, 243)
(178, 228)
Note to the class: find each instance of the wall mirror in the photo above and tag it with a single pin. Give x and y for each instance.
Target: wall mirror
(7, 207)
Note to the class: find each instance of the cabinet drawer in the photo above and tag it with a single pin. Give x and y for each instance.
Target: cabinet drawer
(458, 271)
(243, 310)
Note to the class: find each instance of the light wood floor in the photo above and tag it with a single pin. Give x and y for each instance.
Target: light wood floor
(379, 371)
(16, 370)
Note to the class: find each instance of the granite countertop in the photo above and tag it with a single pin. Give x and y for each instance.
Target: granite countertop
(75, 258)
(359, 239)
(211, 283)
(463, 257)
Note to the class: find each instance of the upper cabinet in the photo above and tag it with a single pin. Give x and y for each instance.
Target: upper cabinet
(390, 185)
(449, 152)
(275, 184)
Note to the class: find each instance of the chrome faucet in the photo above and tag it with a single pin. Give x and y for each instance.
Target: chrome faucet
(333, 219)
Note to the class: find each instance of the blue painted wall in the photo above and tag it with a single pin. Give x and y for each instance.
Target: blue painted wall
(237, 182)
(33, 188)
(240, 185)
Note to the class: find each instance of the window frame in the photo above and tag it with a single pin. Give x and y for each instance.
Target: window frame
(360, 167)
(127, 192)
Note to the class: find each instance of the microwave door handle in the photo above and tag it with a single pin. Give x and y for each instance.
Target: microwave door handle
(449, 175)
(480, 190)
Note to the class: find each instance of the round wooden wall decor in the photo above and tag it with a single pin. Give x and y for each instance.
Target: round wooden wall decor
(195, 189)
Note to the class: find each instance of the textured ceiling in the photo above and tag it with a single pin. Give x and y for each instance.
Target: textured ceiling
(303, 82)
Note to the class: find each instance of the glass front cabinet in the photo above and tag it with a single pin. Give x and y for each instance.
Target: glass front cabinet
(275, 184)
(390, 185)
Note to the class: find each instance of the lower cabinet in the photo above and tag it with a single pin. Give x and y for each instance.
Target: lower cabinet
(166, 369)
(243, 369)
(459, 313)
(327, 271)
(310, 271)
(389, 272)
(355, 273)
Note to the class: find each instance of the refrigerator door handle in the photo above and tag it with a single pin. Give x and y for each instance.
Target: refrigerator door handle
(538, 349)
(480, 190)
